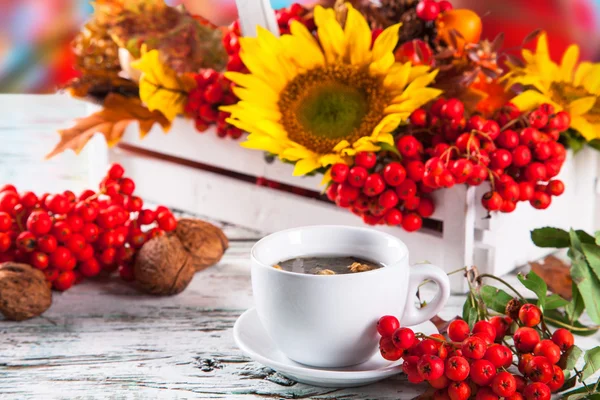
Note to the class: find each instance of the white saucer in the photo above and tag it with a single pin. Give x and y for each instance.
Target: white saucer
(251, 338)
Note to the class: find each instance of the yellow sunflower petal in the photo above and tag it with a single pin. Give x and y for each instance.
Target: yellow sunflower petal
(296, 153)
(358, 37)
(398, 76)
(386, 42)
(581, 106)
(341, 145)
(330, 159)
(271, 128)
(387, 124)
(531, 99)
(305, 50)
(330, 33)
(569, 60)
(305, 166)
(363, 144)
(326, 178)
(387, 138)
(263, 143)
(592, 81)
(581, 72)
(382, 65)
(588, 130)
(253, 83)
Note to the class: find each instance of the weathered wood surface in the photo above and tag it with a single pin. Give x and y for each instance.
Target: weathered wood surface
(105, 340)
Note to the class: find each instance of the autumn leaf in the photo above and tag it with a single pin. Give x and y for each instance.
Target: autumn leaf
(161, 88)
(556, 274)
(111, 121)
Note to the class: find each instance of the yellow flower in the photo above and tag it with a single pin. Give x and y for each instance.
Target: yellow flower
(316, 103)
(567, 86)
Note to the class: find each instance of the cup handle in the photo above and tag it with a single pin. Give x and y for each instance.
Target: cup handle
(418, 274)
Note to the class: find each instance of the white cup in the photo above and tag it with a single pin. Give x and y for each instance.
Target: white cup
(330, 320)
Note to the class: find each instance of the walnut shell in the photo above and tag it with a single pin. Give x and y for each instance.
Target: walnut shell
(163, 266)
(24, 292)
(205, 242)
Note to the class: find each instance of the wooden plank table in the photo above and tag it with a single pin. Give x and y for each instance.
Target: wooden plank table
(105, 340)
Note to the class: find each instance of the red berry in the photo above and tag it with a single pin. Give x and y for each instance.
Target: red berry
(8, 200)
(47, 244)
(473, 347)
(478, 176)
(166, 221)
(556, 187)
(126, 273)
(146, 217)
(76, 243)
(530, 315)
(529, 137)
(526, 191)
(453, 109)
(525, 339)
(548, 349)
(542, 151)
(406, 189)
(408, 146)
(5, 242)
(388, 199)
(357, 176)
(133, 203)
(346, 193)
(428, 10)
(115, 171)
(75, 222)
(430, 367)
(461, 169)
(60, 258)
(393, 217)
(411, 222)
(492, 201)
(426, 207)
(339, 172)
(521, 156)
(387, 325)
(26, 242)
(394, 174)
(537, 391)
(458, 330)
(486, 393)
(126, 186)
(427, 346)
(374, 185)
(64, 281)
(445, 5)
(539, 369)
(486, 328)
(388, 350)
(86, 253)
(457, 368)
(467, 142)
(403, 338)
(563, 339)
(39, 222)
(90, 232)
(419, 116)
(538, 119)
(365, 159)
(439, 383)
(504, 384)
(90, 267)
(482, 372)
(86, 211)
(39, 260)
(213, 93)
(6, 221)
(558, 379)
(499, 355)
(415, 170)
(501, 325)
(540, 200)
(459, 391)
(29, 200)
(508, 139)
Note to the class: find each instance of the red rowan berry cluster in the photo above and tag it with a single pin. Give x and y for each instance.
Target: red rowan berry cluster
(478, 363)
(429, 10)
(71, 238)
(212, 91)
(440, 148)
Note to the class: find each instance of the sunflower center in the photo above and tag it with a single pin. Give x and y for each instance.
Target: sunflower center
(565, 93)
(328, 104)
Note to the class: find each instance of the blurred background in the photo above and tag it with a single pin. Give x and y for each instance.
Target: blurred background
(35, 35)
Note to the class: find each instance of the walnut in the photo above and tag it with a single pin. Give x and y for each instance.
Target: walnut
(24, 292)
(325, 272)
(205, 242)
(359, 267)
(163, 266)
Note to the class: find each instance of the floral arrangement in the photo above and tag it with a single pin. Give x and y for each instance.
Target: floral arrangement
(387, 102)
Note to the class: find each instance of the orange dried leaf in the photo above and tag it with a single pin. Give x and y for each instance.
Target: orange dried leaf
(556, 274)
(111, 121)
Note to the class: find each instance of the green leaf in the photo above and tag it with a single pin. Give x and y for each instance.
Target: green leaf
(469, 311)
(570, 358)
(575, 308)
(588, 286)
(574, 141)
(569, 383)
(554, 301)
(594, 144)
(597, 236)
(537, 285)
(585, 237)
(592, 255)
(388, 147)
(495, 299)
(575, 241)
(550, 237)
(592, 362)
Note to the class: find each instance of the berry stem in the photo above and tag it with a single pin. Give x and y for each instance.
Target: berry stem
(571, 327)
(505, 283)
(424, 336)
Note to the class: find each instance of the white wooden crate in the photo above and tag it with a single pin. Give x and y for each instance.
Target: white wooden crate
(166, 169)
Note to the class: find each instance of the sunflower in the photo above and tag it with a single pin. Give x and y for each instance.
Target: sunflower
(317, 103)
(568, 86)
